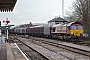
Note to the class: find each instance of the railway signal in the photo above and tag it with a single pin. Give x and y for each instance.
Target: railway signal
(7, 22)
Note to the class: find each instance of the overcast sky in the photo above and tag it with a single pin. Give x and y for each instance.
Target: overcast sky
(35, 11)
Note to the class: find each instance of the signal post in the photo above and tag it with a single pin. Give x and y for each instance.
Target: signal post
(7, 22)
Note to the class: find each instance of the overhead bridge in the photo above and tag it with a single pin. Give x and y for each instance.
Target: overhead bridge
(7, 5)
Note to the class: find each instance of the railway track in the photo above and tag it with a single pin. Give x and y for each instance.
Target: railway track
(73, 49)
(28, 51)
(82, 41)
(65, 58)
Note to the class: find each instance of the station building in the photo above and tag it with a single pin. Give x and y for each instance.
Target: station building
(57, 20)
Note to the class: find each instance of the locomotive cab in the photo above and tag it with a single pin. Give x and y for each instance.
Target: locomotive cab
(76, 29)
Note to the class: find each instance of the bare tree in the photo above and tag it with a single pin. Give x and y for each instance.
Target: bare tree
(81, 12)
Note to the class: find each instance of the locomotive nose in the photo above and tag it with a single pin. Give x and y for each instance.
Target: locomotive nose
(77, 33)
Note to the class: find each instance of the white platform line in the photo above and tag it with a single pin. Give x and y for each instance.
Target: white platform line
(21, 51)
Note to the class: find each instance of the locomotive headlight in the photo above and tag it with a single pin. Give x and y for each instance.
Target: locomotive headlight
(71, 32)
(80, 32)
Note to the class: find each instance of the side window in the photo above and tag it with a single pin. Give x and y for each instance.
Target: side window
(73, 27)
(79, 27)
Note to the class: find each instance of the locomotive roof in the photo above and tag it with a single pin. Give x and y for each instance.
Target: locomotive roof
(68, 24)
(77, 22)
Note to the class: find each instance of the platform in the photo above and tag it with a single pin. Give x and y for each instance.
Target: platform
(10, 52)
(3, 52)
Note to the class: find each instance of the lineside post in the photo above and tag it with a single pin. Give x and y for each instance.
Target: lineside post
(7, 21)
